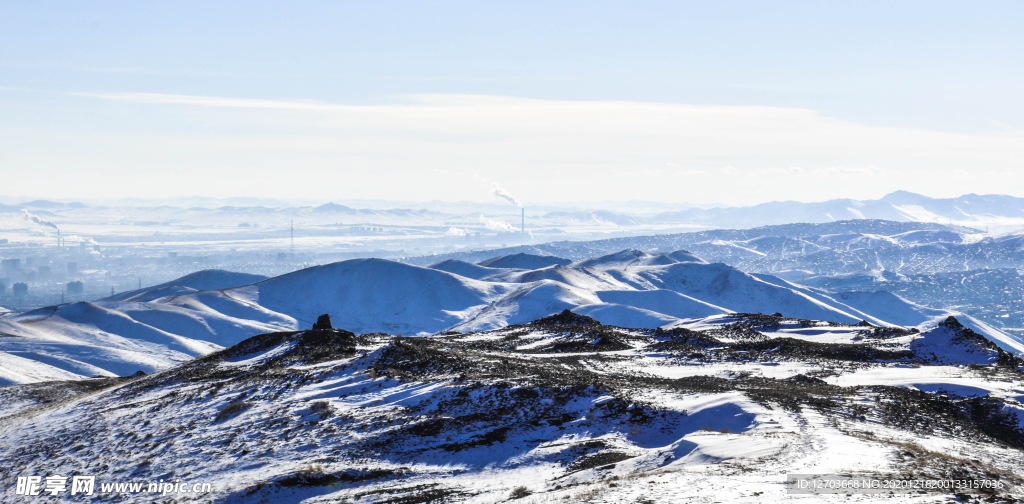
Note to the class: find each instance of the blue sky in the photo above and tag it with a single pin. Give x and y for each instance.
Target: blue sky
(80, 86)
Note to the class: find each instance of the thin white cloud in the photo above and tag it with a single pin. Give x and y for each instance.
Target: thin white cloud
(424, 147)
(214, 101)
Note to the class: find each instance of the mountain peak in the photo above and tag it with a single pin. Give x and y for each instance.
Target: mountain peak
(904, 198)
(952, 323)
(333, 207)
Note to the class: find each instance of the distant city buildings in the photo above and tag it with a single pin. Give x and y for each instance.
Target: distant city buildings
(20, 289)
(76, 288)
(72, 268)
(10, 264)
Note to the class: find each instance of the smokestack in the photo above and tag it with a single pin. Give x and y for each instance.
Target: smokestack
(522, 222)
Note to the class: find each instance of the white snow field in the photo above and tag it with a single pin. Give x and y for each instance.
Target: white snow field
(563, 409)
(155, 328)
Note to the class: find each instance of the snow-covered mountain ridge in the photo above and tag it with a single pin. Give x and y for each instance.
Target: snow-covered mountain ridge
(824, 248)
(560, 409)
(934, 265)
(151, 330)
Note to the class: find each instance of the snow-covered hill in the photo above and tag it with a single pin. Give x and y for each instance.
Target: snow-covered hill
(376, 295)
(562, 409)
(169, 324)
(523, 261)
(119, 338)
(200, 280)
(468, 270)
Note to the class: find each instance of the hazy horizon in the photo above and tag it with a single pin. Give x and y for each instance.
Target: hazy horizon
(213, 202)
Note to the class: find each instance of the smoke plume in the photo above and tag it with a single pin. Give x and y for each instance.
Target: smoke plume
(503, 194)
(32, 218)
(494, 225)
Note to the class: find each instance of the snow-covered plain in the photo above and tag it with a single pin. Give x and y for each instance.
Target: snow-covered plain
(559, 410)
(155, 328)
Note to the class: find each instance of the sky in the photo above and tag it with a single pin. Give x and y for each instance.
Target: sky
(699, 102)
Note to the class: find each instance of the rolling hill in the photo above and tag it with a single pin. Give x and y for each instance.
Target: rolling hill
(168, 324)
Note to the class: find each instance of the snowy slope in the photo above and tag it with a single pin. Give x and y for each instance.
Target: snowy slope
(468, 270)
(727, 287)
(581, 277)
(999, 338)
(625, 315)
(128, 333)
(685, 256)
(668, 302)
(15, 369)
(119, 338)
(559, 410)
(630, 258)
(523, 261)
(888, 307)
(528, 302)
(951, 343)
(200, 280)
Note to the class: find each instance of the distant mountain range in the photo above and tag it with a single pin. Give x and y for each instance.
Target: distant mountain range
(995, 211)
(897, 206)
(824, 248)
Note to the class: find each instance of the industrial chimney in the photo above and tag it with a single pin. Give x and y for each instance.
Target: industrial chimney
(522, 221)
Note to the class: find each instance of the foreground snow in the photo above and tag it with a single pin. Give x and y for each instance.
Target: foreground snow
(560, 410)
